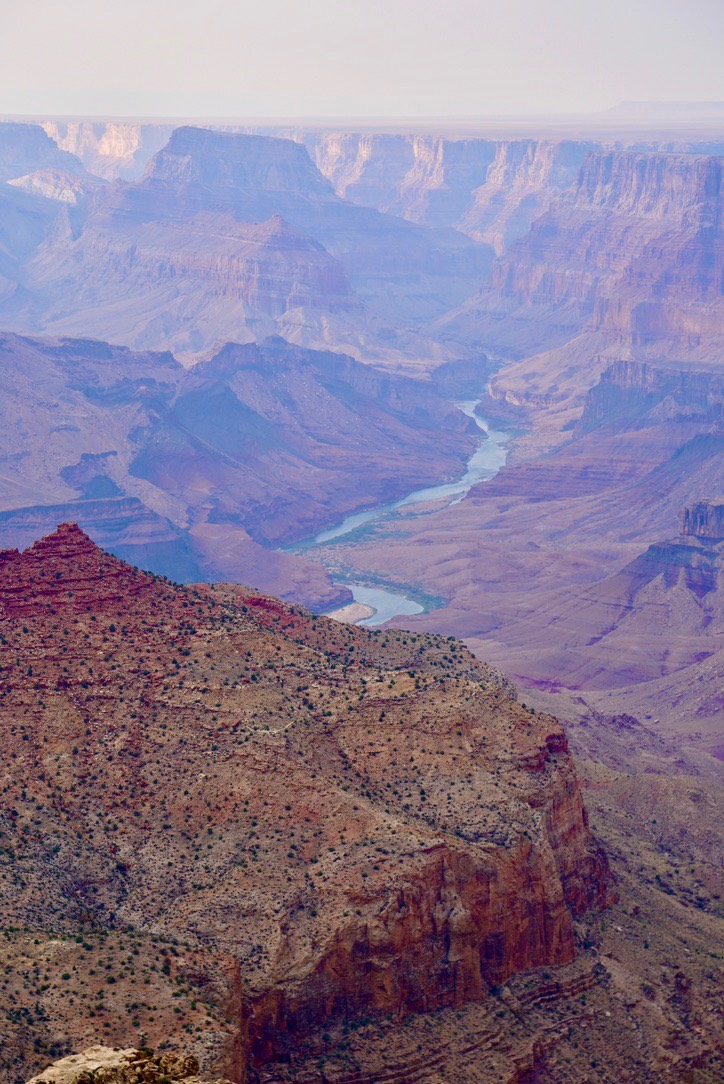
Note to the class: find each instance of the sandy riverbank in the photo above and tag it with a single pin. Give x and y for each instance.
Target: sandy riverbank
(352, 613)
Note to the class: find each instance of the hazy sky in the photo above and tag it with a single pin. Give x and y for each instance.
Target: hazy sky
(354, 57)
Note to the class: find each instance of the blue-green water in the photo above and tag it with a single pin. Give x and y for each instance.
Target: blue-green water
(485, 462)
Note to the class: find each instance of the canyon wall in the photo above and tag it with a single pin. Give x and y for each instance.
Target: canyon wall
(629, 264)
(566, 568)
(636, 391)
(25, 148)
(624, 213)
(231, 236)
(423, 178)
(490, 190)
(704, 520)
(110, 149)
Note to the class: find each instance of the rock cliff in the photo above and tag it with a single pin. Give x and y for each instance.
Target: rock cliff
(422, 178)
(360, 823)
(624, 208)
(628, 264)
(490, 190)
(524, 178)
(25, 148)
(56, 184)
(110, 149)
(103, 1065)
(635, 391)
(705, 519)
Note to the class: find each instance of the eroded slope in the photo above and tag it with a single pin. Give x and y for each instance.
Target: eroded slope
(357, 823)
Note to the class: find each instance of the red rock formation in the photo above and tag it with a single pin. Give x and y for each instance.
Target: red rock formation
(364, 822)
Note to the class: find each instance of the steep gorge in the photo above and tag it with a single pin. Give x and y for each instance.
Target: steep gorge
(110, 149)
(193, 473)
(491, 190)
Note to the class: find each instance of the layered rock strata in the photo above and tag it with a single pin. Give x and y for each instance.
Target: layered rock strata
(627, 263)
(491, 190)
(704, 520)
(240, 236)
(110, 149)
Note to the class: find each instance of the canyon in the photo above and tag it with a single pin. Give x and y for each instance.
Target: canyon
(560, 543)
(112, 149)
(198, 473)
(627, 264)
(343, 855)
(233, 236)
(596, 329)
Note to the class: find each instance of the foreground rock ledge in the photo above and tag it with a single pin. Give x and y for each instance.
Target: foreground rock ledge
(104, 1065)
(344, 822)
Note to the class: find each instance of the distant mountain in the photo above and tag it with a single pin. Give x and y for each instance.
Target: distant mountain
(238, 237)
(25, 148)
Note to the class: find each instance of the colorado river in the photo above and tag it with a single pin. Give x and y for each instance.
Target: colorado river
(485, 462)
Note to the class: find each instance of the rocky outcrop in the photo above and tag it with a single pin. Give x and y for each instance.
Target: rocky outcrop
(56, 184)
(104, 1065)
(239, 169)
(349, 881)
(25, 148)
(678, 563)
(704, 520)
(637, 391)
(124, 525)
